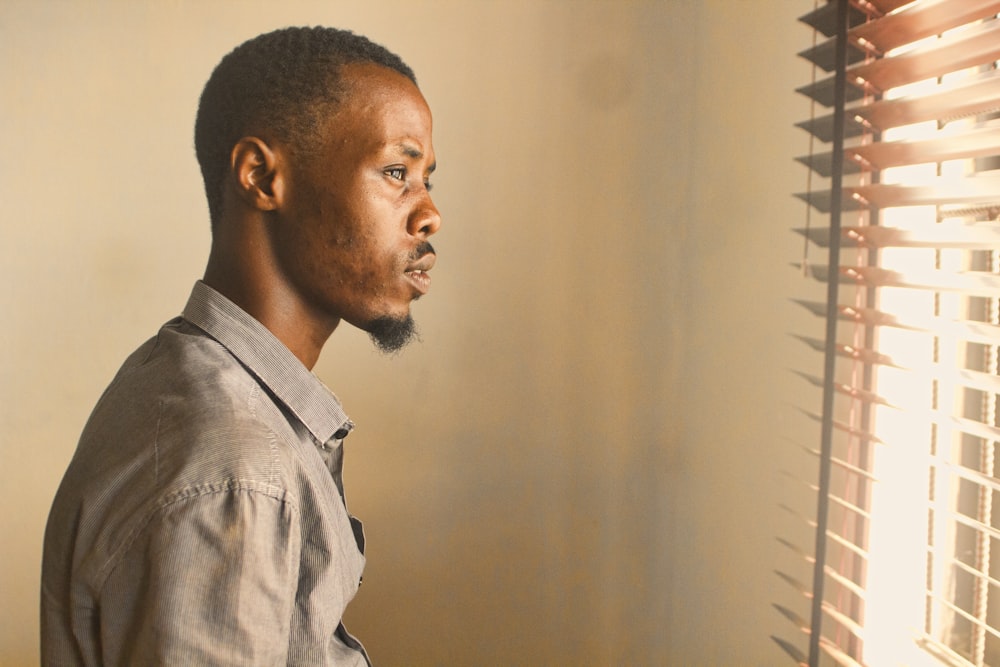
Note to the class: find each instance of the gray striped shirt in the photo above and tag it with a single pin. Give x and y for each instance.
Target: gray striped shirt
(202, 519)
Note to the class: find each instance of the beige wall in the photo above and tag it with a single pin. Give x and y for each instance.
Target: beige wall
(579, 464)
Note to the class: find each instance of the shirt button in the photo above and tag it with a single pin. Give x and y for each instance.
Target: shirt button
(341, 433)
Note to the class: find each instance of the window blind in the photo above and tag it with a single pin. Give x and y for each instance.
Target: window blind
(901, 267)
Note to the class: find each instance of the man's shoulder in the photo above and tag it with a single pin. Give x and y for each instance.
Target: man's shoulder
(183, 406)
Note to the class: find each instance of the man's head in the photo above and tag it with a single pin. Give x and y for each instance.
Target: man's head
(286, 81)
(315, 146)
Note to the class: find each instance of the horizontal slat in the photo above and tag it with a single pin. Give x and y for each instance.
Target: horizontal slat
(978, 142)
(967, 379)
(859, 434)
(862, 355)
(878, 8)
(974, 476)
(835, 652)
(909, 24)
(853, 509)
(962, 377)
(847, 390)
(976, 379)
(822, 200)
(793, 651)
(823, 55)
(824, 92)
(799, 587)
(979, 45)
(849, 545)
(846, 583)
(875, 156)
(796, 620)
(921, 20)
(850, 467)
(808, 521)
(956, 194)
(974, 332)
(822, 127)
(979, 574)
(977, 283)
(822, 164)
(975, 95)
(973, 524)
(808, 558)
(846, 622)
(970, 618)
(969, 237)
(824, 18)
(979, 94)
(972, 427)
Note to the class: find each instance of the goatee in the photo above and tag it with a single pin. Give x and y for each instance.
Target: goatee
(392, 334)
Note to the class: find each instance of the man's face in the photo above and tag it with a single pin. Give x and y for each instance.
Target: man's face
(353, 239)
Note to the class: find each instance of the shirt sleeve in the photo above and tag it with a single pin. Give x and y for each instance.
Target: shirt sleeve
(209, 579)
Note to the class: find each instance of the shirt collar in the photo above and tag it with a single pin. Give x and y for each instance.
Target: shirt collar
(269, 360)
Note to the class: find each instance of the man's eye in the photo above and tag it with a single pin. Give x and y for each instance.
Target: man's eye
(397, 173)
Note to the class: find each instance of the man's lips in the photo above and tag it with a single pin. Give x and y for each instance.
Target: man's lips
(417, 272)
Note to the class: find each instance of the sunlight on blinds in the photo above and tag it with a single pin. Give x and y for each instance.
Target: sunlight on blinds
(907, 554)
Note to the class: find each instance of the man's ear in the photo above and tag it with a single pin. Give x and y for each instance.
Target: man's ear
(259, 173)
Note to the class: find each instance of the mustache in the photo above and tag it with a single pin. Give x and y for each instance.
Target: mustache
(424, 248)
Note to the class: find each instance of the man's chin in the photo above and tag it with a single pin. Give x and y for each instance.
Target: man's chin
(392, 334)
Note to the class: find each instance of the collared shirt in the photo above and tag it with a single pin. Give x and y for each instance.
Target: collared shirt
(202, 519)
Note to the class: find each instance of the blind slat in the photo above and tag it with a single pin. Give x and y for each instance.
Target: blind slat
(978, 283)
(975, 95)
(796, 619)
(978, 95)
(921, 20)
(970, 426)
(861, 354)
(949, 54)
(846, 390)
(909, 24)
(977, 142)
(953, 194)
(844, 428)
(838, 655)
(976, 477)
(794, 583)
(953, 52)
(795, 549)
(848, 467)
(968, 237)
(966, 330)
(794, 652)
(823, 18)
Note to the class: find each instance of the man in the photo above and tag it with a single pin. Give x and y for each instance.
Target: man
(202, 519)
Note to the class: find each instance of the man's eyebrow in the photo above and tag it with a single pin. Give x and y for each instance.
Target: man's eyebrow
(410, 151)
(415, 153)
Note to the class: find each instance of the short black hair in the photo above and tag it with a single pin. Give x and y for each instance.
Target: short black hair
(286, 81)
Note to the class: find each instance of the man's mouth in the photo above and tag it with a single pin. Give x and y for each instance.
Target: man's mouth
(421, 280)
(417, 272)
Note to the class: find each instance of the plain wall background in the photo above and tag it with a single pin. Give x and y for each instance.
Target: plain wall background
(581, 462)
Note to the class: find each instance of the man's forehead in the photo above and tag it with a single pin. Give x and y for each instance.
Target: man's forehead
(370, 79)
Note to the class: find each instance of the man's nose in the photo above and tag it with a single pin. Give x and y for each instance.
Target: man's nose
(426, 219)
